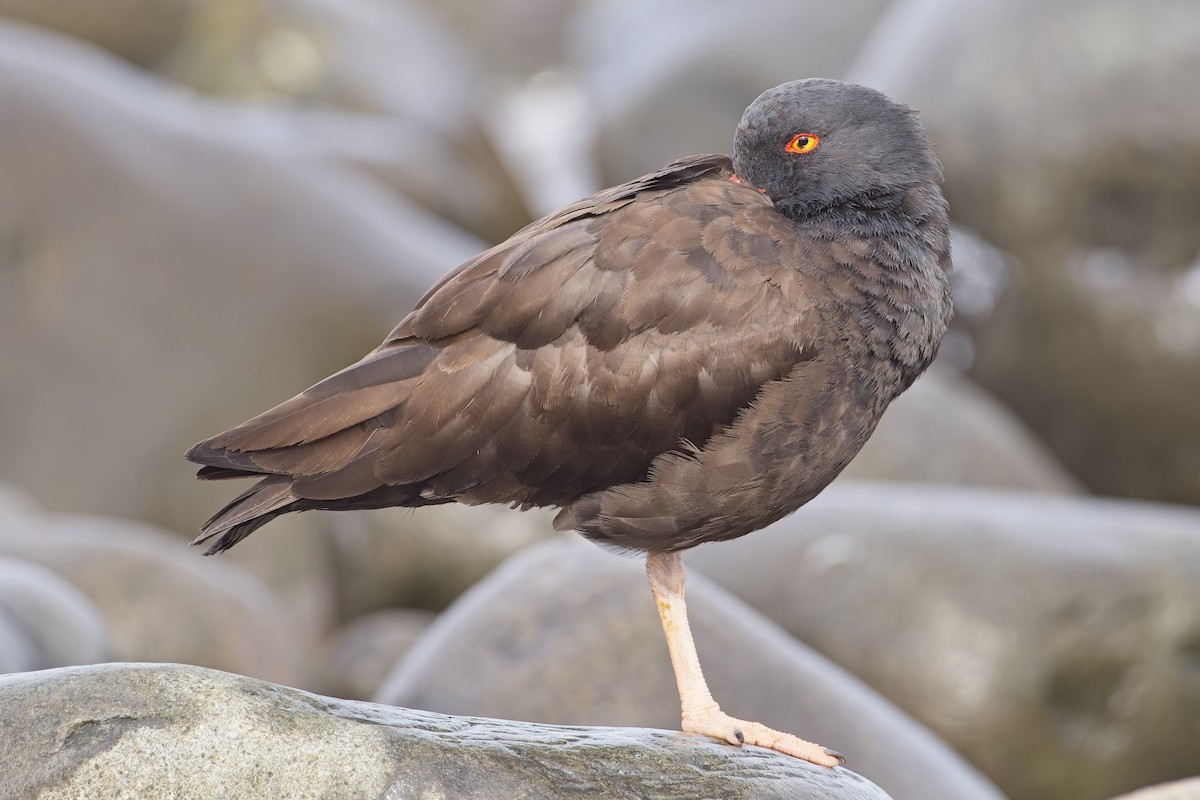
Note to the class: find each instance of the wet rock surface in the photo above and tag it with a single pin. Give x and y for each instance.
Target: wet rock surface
(159, 731)
(566, 633)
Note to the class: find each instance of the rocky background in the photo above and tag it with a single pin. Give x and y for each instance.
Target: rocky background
(207, 205)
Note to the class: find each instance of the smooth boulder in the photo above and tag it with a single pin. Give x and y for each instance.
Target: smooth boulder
(45, 621)
(167, 731)
(159, 600)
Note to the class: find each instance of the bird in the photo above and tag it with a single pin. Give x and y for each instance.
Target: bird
(684, 358)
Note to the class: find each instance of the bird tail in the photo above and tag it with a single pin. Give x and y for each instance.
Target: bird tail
(249, 511)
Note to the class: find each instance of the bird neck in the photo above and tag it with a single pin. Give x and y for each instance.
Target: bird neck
(886, 278)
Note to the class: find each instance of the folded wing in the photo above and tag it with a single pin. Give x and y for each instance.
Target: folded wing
(639, 321)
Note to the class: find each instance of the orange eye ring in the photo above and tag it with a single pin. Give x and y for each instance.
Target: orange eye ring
(803, 143)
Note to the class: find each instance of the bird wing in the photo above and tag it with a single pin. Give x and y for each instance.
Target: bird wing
(638, 321)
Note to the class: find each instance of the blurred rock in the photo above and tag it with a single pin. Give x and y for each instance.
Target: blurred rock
(513, 39)
(1067, 142)
(14, 500)
(1177, 790)
(159, 600)
(566, 633)
(357, 55)
(167, 271)
(1061, 634)
(426, 558)
(359, 655)
(382, 85)
(140, 31)
(17, 652)
(57, 624)
(673, 78)
(184, 733)
(946, 430)
(297, 560)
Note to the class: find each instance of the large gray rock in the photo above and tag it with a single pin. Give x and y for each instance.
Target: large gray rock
(946, 430)
(159, 600)
(49, 622)
(566, 633)
(163, 731)
(1060, 634)
(169, 268)
(1067, 142)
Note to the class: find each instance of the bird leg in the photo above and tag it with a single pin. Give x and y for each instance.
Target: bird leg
(701, 714)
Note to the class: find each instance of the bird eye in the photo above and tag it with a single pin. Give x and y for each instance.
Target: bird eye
(803, 143)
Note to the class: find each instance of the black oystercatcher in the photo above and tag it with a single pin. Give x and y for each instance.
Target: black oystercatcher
(681, 359)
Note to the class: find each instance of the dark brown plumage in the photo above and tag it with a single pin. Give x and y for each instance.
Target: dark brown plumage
(684, 358)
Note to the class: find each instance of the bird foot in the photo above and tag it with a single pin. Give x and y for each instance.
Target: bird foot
(720, 725)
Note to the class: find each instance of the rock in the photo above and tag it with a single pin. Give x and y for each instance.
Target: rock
(380, 85)
(565, 633)
(1177, 790)
(359, 655)
(1061, 634)
(673, 78)
(17, 652)
(178, 266)
(1115, 68)
(297, 560)
(159, 600)
(512, 39)
(946, 430)
(141, 31)
(394, 557)
(1099, 331)
(14, 500)
(55, 624)
(159, 731)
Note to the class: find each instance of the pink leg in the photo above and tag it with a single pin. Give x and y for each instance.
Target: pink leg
(701, 714)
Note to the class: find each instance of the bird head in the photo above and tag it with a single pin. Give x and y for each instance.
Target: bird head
(817, 143)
